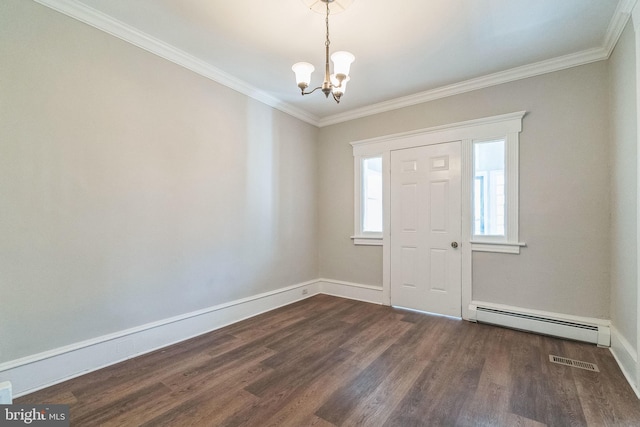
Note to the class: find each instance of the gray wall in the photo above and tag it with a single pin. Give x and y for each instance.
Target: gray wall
(132, 190)
(622, 73)
(564, 191)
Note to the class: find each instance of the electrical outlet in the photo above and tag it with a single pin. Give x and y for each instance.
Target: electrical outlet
(5, 393)
(305, 291)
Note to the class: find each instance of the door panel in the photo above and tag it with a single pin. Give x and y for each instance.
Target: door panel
(438, 204)
(409, 267)
(409, 207)
(425, 220)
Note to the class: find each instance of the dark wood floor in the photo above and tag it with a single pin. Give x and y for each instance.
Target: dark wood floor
(329, 361)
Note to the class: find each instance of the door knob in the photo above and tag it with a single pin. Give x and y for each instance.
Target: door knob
(454, 245)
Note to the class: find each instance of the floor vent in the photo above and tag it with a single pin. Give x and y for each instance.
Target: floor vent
(574, 363)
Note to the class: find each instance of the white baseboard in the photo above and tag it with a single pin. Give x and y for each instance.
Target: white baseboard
(44, 369)
(350, 290)
(627, 358)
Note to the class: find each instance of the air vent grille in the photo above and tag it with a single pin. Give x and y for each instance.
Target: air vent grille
(574, 363)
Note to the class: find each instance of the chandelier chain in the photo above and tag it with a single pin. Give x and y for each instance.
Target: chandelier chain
(326, 86)
(326, 21)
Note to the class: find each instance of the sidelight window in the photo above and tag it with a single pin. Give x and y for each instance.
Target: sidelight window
(372, 195)
(488, 188)
(369, 209)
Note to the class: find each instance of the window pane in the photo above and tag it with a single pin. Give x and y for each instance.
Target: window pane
(372, 195)
(488, 189)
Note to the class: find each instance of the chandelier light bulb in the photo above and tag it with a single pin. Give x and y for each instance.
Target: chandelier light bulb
(303, 72)
(342, 62)
(339, 87)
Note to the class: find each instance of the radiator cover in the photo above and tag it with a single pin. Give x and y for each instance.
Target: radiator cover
(543, 323)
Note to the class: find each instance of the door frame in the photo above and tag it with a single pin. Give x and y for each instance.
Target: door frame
(466, 132)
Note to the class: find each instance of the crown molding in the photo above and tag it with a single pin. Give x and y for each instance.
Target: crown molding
(518, 73)
(635, 15)
(618, 21)
(103, 22)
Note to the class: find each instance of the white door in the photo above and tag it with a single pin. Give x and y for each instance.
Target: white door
(425, 218)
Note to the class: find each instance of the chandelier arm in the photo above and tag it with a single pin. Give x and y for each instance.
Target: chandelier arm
(309, 93)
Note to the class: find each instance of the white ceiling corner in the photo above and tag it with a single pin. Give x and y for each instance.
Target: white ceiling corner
(444, 47)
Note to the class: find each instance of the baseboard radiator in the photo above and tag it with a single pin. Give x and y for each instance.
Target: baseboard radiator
(571, 328)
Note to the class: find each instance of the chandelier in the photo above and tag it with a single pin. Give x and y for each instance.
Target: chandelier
(334, 84)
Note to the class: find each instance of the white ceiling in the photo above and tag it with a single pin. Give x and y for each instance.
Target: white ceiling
(405, 50)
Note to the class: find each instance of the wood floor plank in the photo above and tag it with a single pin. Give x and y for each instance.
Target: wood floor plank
(283, 388)
(141, 371)
(395, 369)
(327, 361)
(459, 362)
(597, 393)
(307, 420)
(492, 386)
(270, 322)
(527, 391)
(309, 399)
(123, 405)
(375, 340)
(204, 410)
(563, 403)
(473, 414)
(209, 391)
(128, 378)
(370, 344)
(323, 337)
